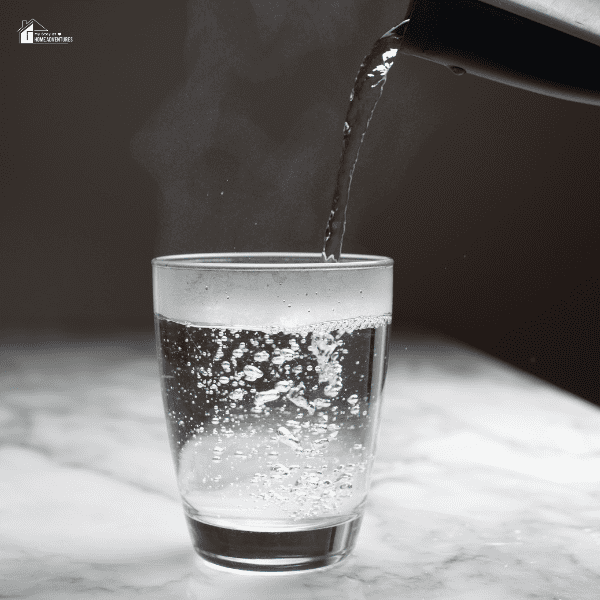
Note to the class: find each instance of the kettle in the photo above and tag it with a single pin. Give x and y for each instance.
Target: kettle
(551, 47)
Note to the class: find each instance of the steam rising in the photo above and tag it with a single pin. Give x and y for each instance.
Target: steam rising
(244, 152)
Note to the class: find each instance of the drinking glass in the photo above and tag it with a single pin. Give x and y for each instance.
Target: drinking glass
(272, 368)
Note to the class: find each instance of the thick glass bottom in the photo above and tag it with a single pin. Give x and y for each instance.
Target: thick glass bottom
(274, 551)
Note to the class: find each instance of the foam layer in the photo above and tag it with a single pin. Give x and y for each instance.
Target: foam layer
(346, 325)
(263, 293)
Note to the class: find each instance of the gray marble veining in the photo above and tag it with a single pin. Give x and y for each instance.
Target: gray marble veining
(486, 485)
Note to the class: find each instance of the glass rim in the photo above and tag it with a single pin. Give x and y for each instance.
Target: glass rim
(269, 261)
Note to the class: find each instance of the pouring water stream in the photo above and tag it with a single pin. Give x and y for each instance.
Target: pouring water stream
(367, 90)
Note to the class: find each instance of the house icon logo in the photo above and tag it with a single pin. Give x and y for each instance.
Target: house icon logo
(32, 32)
(28, 31)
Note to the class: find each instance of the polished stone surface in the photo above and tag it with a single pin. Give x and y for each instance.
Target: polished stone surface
(486, 484)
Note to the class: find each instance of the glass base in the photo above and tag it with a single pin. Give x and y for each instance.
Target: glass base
(274, 551)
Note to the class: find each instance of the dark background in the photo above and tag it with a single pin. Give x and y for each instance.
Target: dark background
(206, 126)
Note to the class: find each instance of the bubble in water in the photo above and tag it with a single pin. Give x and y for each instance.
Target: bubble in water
(278, 358)
(266, 396)
(297, 369)
(258, 478)
(237, 394)
(296, 395)
(237, 353)
(279, 470)
(288, 438)
(313, 479)
(320, 444)
(355, 410)
(288, 354)
(321, 403)
(224, 379)
(332, 390)
(283, 386)
(252, 373)
(261, 356)
(353, 399)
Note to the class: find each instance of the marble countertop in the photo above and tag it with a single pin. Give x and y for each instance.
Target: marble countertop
(486, 484)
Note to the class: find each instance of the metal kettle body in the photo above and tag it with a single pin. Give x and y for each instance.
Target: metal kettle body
(548, 47)
(579, 18)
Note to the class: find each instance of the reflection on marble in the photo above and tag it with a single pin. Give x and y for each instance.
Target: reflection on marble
(486, 485)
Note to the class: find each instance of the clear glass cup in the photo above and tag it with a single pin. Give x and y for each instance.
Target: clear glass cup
(272, 368)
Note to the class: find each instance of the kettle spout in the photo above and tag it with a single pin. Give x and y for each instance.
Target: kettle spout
(470, 36)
